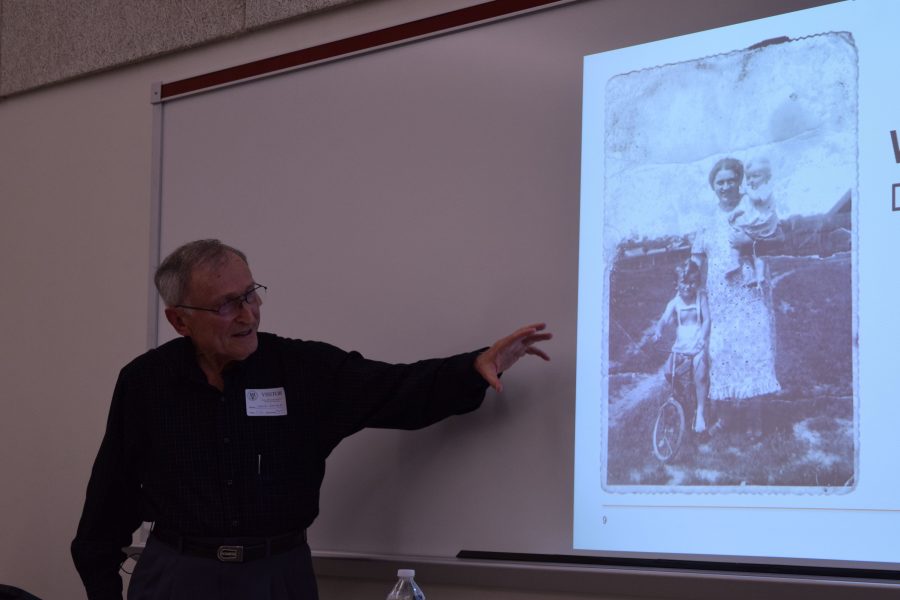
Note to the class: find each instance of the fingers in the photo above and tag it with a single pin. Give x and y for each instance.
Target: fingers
(538, 352)
(507, 351)
(524, 332)
(529, 329)
(529, 335)
(530, 347)
(522, 342)
(493, 381)
(534, 339)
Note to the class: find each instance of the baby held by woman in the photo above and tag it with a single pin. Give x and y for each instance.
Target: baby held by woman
(753, 221)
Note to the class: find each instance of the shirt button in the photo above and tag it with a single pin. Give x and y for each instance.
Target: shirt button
(227, 440)
(229, 482)
(235, 523)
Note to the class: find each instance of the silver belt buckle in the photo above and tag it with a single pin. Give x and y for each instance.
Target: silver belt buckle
(230, 553)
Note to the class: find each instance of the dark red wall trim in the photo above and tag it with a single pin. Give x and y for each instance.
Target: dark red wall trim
(366, 41)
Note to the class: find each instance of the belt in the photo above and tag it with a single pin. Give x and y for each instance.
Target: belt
(231, 549)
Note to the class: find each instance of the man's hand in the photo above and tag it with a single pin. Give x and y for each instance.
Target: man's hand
(504, 353)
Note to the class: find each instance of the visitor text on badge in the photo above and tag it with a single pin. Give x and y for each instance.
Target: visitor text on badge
(266, 403)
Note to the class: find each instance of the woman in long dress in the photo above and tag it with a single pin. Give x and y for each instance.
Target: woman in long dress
(742, 340)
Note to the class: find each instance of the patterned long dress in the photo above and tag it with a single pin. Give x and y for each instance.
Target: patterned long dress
(741, 339)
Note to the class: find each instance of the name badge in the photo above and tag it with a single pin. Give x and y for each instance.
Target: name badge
(266, 403)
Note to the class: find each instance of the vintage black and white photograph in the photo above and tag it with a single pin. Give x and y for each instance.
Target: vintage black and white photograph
(729, 190)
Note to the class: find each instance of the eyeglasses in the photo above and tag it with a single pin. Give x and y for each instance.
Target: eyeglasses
(232, 306)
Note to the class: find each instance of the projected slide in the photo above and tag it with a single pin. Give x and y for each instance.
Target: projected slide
(718, 162)
(734, 370)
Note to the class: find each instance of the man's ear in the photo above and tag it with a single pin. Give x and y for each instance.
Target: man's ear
(178, 323)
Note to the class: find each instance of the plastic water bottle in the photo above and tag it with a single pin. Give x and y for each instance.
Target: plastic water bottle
(406, 588)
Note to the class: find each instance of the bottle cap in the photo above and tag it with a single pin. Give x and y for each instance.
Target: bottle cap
(406, 573)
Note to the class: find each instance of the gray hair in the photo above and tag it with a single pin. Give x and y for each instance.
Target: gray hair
(174, 273)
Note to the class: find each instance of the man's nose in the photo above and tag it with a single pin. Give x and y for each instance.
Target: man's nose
(245, 312)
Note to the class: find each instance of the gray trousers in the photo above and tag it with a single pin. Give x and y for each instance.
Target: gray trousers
(162, 573)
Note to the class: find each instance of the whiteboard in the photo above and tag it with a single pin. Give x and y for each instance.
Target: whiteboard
(418, 201)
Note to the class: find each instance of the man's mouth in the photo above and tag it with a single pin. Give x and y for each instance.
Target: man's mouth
(243, 333)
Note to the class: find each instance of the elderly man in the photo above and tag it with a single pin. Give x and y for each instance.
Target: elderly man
(220, 438)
